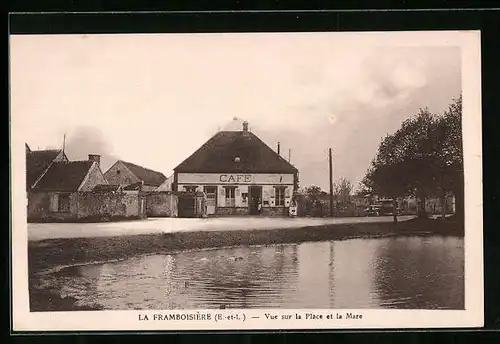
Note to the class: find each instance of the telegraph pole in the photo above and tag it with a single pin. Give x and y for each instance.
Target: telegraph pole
(331, 182)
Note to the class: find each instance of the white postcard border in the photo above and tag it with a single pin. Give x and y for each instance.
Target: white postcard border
(472, 316)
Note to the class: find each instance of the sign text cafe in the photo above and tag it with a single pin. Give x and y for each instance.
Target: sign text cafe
(239, 174)
(241, 193)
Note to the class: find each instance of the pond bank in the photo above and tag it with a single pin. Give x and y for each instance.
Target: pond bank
(51, 254)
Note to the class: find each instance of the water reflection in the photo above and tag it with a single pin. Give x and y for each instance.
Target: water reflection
(352, 273)
(360, 273)
(429, 277)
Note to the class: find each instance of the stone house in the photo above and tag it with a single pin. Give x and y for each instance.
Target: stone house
(127, 174)
(239, 174)
(54, 195)
(59, 190)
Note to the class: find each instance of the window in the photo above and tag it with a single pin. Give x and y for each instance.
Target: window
(230, 196)
(210, 191)
(63, 204)
(279, 196)
(190, 188)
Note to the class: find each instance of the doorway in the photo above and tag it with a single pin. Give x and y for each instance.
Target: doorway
(255, 199)
(186, 206)
(211, 192)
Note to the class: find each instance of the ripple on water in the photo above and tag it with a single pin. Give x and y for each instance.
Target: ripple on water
(359, 273)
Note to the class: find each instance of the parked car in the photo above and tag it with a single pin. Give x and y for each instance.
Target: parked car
(383, 208)
(372, 210)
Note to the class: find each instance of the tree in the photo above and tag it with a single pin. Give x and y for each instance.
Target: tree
(310, 196)
(405, 161)
(313, 191)
(423, 157)
(342, 191)
(451, 176)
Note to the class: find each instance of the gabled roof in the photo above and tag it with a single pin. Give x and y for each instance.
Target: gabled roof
(64, 176)
(106, 188)
(149, 177)
(218, 155)
(37, 162)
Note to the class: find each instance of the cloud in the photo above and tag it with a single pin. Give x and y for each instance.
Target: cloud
(85, 140)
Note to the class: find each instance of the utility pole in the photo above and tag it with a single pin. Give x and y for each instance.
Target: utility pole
(331, 182)
(289, 155)
(64, 142)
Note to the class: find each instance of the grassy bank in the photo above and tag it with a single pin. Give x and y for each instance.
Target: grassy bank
(52, 253)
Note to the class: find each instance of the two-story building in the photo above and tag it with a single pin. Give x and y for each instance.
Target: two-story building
(239, 174)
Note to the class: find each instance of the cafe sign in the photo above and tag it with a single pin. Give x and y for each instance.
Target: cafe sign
(235, 178)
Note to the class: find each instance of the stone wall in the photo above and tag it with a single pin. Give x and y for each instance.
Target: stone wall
(239, 211)
(109, 206)
(41, 208)
(86, 206)
(275, 211)
(230, 211)
(161, 204)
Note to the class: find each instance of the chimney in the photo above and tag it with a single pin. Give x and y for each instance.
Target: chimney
(96, 158)
(278, 148)
(245, 126)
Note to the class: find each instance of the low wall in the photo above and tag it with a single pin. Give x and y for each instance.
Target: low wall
(39, 208)
(231, 211)
(109, 206)
(276, 211)
(161, 204)
(240, 211)
(87, 207)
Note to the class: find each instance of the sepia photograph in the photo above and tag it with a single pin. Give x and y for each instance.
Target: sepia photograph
(255, 172)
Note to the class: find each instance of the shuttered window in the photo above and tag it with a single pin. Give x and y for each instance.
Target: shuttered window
(279, 192)
(230, 196)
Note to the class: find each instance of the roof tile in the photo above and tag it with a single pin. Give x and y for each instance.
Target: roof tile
(37, 162)
(149, 177)
(218, 155)
(64, 176)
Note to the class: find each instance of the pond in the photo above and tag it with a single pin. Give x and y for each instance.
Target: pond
(397, 272)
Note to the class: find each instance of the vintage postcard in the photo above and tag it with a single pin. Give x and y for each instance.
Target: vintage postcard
(244, 181)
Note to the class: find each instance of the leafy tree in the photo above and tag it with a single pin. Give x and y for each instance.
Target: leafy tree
(405, 160)
(422, 158)
(309, 198)
(342, 191)
(313, 192)
(451, 170)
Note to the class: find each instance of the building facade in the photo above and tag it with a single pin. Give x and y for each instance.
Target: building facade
(125, 173)
(74, 191)
(239, 174)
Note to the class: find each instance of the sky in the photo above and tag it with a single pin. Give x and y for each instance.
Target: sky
(154, 99)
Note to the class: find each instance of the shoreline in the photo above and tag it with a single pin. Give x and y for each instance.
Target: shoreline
(50, 255)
